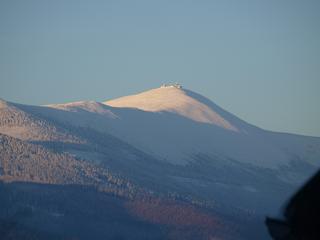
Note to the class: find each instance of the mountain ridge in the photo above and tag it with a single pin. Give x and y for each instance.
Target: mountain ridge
(175, 144)
(160, 122)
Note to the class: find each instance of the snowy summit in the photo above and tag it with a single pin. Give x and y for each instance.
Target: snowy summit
(172, 98)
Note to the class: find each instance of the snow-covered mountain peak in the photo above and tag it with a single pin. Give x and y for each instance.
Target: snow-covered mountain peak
(175, 99)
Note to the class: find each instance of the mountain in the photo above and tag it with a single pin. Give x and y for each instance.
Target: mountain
(181, 102)
(162, 116)
(167, 143)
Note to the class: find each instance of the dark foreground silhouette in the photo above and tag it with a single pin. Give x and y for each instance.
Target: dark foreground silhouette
(302, 215)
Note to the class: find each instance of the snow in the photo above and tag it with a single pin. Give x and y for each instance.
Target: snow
(83, 113)
(235, 163)
(89, 106)
(175, 100)
(177, 125)
(158, 121)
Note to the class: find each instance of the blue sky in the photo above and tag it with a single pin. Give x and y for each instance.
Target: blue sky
(257, 59)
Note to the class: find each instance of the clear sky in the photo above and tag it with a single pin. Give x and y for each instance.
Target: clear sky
(259, 59)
